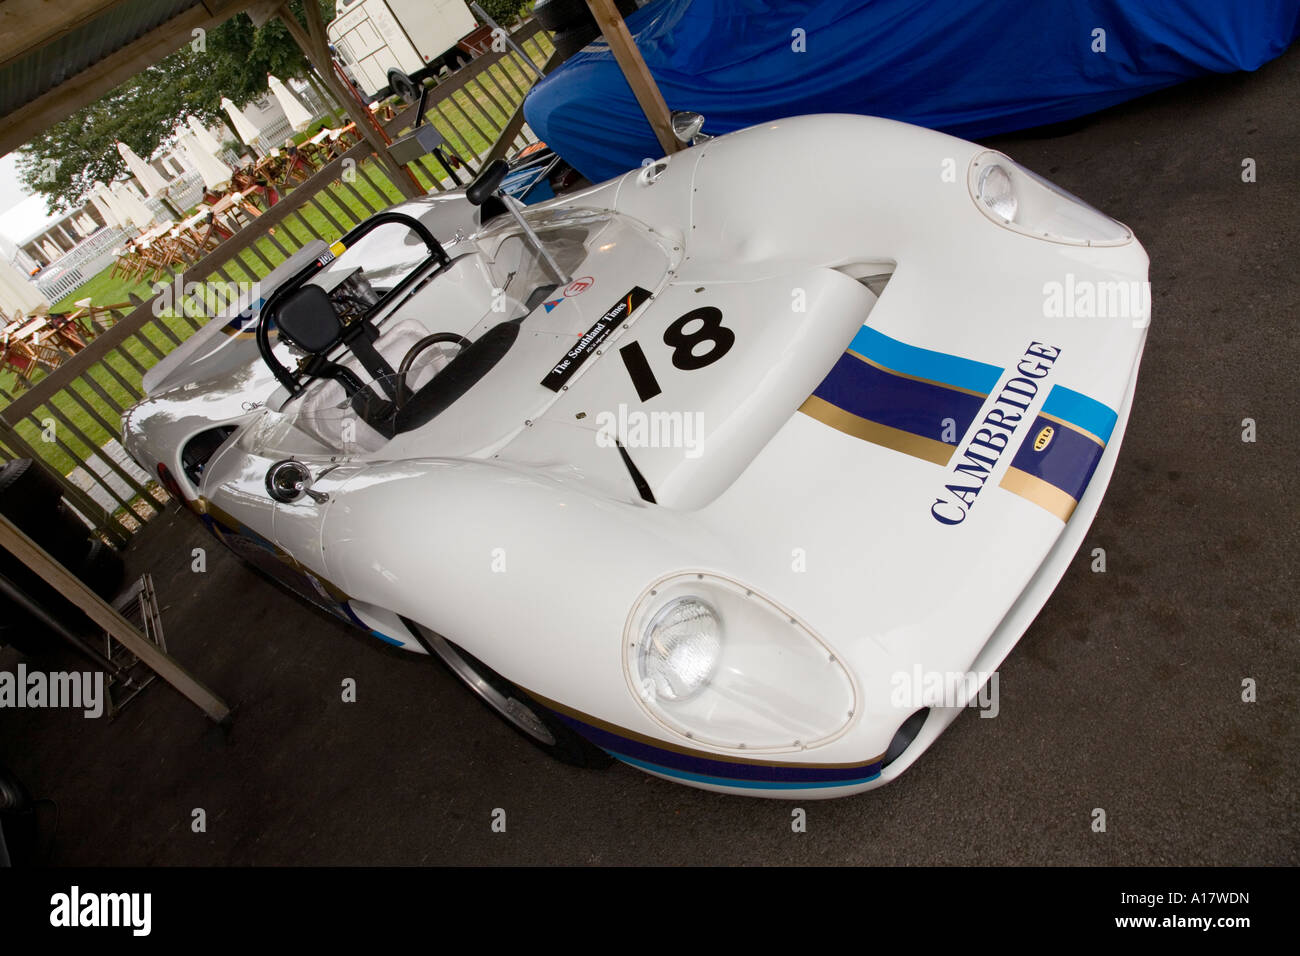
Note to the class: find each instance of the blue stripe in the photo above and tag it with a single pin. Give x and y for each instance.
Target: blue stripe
(387, 640)
(903, 403)
(922, 363)
(745, 784)
(1078, 409)
(246, 320)
(722, 772)
(1067, 462)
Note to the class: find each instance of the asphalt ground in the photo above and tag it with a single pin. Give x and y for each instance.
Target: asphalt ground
(1125, 694)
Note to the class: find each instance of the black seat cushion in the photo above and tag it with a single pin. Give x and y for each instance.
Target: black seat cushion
(307, 318)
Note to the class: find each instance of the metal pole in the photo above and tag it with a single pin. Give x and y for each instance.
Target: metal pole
(106, 616)
(12, 591)
(505, 35)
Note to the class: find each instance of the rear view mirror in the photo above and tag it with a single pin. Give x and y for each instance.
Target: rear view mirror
(687, 126)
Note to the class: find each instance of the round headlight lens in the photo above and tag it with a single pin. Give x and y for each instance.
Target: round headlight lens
(997, 192)
(679, 651)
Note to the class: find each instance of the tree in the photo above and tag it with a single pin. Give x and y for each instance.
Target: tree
(504, 12)
(233, 60)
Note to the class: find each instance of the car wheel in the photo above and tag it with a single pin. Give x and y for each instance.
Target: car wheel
(403, 85)
(538, 725)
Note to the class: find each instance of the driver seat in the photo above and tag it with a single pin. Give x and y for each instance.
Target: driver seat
(307, 318)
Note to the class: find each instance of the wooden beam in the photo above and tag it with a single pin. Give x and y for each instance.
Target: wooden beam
(101, 77)
(315, 46)
(106, 616)
(638, 76)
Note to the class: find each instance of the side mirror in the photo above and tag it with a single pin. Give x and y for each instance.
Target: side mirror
(289, 480)
(487, 182)
(687, 125)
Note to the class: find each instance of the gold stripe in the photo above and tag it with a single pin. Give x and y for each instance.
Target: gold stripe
(687, 751)
(204, 506)
(1041, 493)
(1073, 427)
(917, 446)
(915, 378)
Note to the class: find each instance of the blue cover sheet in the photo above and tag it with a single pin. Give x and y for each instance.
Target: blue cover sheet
(969, 68)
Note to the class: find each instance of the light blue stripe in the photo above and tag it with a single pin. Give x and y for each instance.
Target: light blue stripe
(922, 363)
(388, 640)
(746, 784)
(1078, 409)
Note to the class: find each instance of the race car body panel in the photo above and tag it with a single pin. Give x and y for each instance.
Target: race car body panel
(862, 412)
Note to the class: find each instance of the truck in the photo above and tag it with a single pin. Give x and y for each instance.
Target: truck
(393, 46)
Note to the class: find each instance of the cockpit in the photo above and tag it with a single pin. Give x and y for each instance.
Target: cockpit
(388, 329)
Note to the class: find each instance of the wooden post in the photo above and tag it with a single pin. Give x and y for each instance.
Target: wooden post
(106, 616)
(637, 73)
(315, 47)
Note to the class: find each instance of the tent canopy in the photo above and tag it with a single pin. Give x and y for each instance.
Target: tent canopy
(970, 69)
(57, 57)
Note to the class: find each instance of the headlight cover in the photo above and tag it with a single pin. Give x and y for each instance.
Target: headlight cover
(1023, 201)
(679, 652)
(720, 664)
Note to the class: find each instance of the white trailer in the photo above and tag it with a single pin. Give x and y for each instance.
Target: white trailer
(391, 46)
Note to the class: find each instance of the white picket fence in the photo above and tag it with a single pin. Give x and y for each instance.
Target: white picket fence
(87, 260)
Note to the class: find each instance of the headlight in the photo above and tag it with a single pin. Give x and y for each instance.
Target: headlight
(996, 192)
(720, 664)
(1020, 200)
(680, 650)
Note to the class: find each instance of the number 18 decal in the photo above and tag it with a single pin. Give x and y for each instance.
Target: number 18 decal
(711, 330)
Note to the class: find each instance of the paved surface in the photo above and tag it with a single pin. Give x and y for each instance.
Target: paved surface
(1124, 694)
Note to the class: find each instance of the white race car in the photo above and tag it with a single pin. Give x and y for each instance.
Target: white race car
(709, 467)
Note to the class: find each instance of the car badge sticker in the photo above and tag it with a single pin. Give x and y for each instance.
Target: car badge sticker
(1044, 437)
(591, 340)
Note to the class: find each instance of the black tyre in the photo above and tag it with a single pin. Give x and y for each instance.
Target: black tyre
(25, 485)
(403, 85)
(538, 725)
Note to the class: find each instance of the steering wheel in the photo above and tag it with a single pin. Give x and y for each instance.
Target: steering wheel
(436, 338)
(294, 381)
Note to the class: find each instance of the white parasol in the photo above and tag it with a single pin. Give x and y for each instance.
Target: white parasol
(215, 173)
(17, 294)
(297, 115)
(104, 203)
(131, 205)
(201, 136)
(150, 181)
(243, 125)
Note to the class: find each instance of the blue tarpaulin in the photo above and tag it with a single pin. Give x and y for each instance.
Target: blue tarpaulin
(970, 68)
